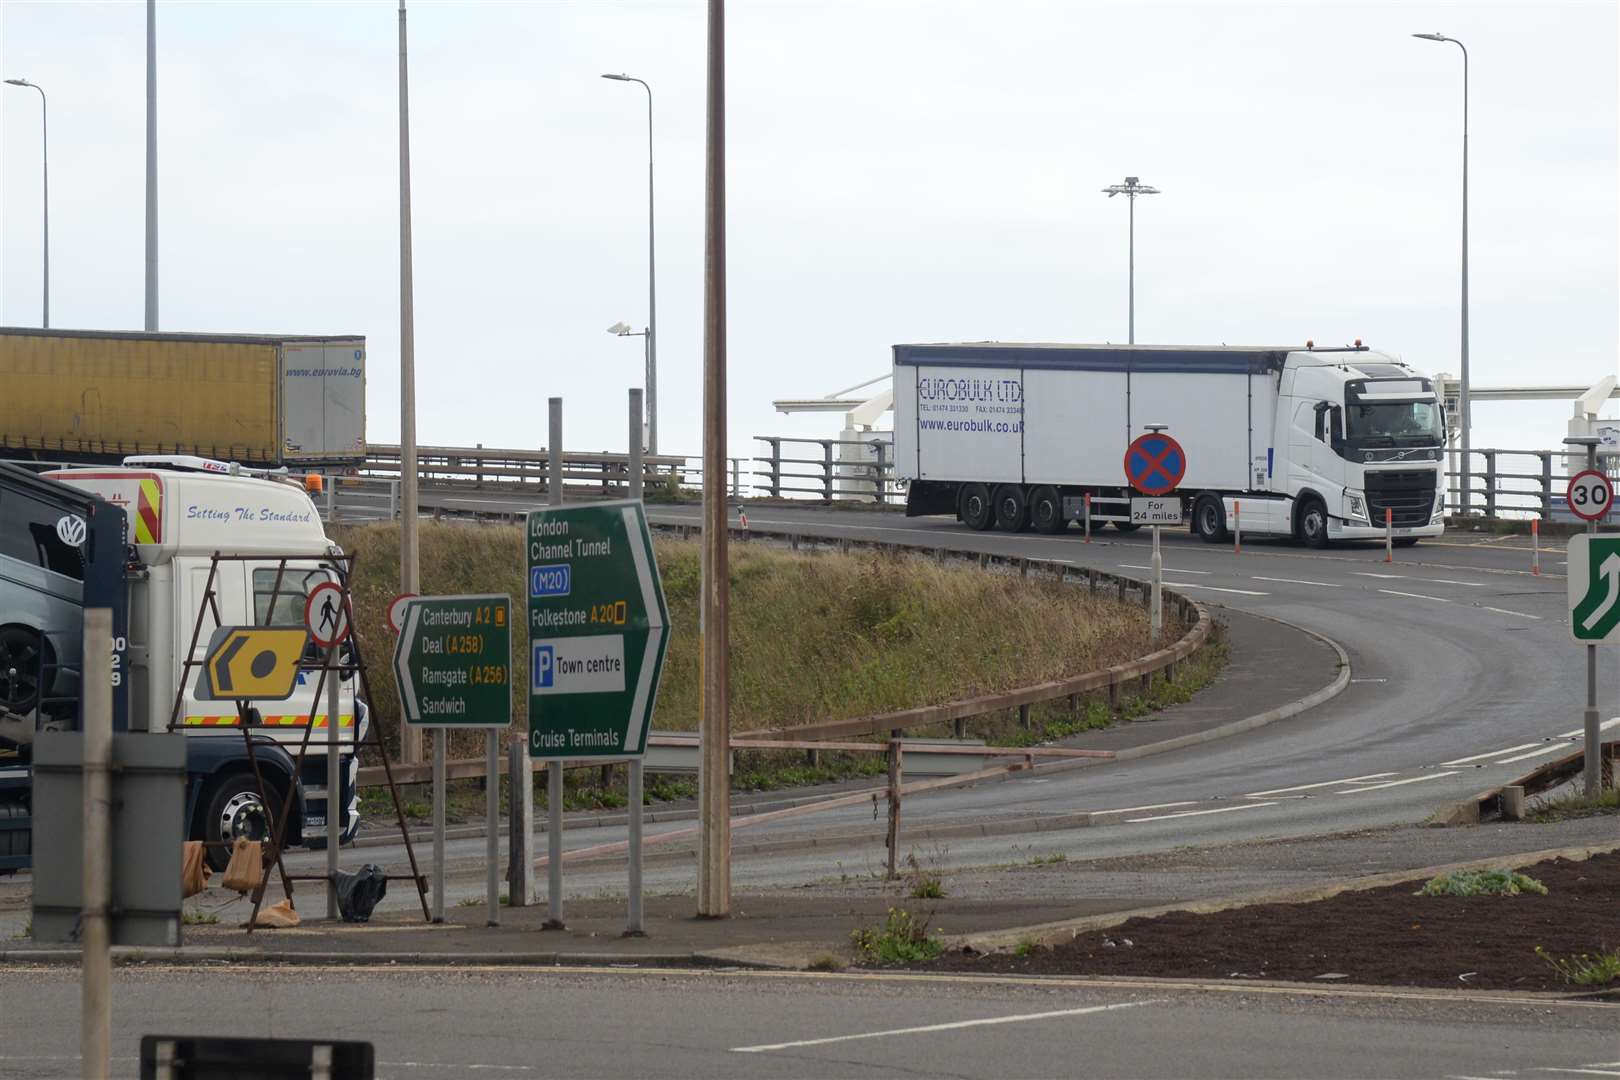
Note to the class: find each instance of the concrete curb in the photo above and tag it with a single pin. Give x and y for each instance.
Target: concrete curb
(1055, 933)
(125, 956)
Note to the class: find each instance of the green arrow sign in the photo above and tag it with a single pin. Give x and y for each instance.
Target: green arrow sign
(1594, 588)
(598, 630)
(453, 661)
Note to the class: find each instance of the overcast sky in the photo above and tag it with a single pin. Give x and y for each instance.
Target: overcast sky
(899, 170)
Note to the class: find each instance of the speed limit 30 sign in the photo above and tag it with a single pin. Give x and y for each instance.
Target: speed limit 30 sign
(1590, 495)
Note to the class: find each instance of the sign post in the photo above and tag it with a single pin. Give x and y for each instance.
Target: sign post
(1594, 592)
(598, 631)
(1154, 465)
(327, 621)
(453, 661)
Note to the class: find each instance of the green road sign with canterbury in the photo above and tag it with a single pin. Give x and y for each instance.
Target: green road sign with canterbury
(1594, 588)
(598, 629)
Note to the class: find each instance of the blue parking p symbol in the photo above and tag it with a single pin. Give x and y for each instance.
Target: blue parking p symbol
(544, 666)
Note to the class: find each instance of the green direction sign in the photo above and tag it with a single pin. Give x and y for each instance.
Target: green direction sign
(598, 629)
(453, 661)
(1594, 588)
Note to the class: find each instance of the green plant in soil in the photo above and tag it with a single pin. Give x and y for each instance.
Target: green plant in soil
(1586, 969)
(902, 938)
(825, 962)
(1049, 860)
(197, 917)
(1026, 947)
(1482, 883)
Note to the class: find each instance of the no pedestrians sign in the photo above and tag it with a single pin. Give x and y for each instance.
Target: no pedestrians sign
(598, 630)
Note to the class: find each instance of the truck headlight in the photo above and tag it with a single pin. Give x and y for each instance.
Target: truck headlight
(1355, 505)
(1439, 507)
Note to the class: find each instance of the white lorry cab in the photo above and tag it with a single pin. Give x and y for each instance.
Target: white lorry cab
(1313, 443)
(183, 510)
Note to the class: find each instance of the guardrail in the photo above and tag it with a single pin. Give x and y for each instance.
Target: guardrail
(1501, 484)
(868, 474)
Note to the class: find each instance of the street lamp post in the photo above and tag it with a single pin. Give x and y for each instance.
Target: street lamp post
(45, 158)
(1131, 188)
(620, 329)
(652, 279)
(1463, 408)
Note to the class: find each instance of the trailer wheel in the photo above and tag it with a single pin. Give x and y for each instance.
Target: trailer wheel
(1312, 523)
(1012, 508)
(235, 811)
(1046, 510)
(1126, 526)
(1209, 520)
(26, 661)
(973, 507)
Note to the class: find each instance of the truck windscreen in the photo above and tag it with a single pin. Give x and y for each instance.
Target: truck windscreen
(1403, 423)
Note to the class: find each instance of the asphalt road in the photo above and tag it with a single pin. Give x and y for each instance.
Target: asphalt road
(560, 1022)
(1463, 675)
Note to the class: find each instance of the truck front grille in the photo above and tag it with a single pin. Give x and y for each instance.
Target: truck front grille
(1407, 493)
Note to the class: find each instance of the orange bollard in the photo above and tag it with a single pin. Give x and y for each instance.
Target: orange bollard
(1389, 535)
(1535, 546)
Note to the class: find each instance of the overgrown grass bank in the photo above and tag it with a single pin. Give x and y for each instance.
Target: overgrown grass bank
(813, 637)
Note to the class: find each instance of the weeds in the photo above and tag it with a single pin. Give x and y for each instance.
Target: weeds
(1482, 883)
(1026, 947)
(925, 883)
(903, 938)
(1576, 805)
(198, 917)
(1049, 860)
(825, 962)
(1585, 969)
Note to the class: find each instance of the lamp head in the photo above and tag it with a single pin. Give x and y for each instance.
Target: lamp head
(617, 78)
(1431, 37)
(619, 328)
(19, 82)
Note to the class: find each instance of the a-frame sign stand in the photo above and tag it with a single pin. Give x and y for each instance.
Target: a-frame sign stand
(342, 567)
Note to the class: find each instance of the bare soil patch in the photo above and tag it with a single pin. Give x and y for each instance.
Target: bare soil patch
(1386, 936)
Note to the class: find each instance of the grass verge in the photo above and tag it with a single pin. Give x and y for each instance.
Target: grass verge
(1573, 804)
(813, 637)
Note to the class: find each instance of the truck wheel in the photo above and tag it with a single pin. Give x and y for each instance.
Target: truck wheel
(973, 507)
(25, 661)
(1312, 523)
(1012, 508)
(235, 811)
(1046, 511)
(1209, 520)
(1126, 526)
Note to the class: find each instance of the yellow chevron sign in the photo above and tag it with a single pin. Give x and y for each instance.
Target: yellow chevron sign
(252, 663)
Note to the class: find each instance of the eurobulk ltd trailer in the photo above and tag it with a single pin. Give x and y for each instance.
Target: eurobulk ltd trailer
(1315, 443)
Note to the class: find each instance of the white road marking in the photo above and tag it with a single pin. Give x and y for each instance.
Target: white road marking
(1416, 596)
(1167, 569)
(1553, 749)
(1387, 577)
(1137, 809)
(1493, 753)
(1199, 813)
(1505, 611)
(1324, 783)
(927, 1028)
(1449, 581)
(1217, 588)
(1298, 581)
(1583, 1072)
(1396, 783)
(1606, 725)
